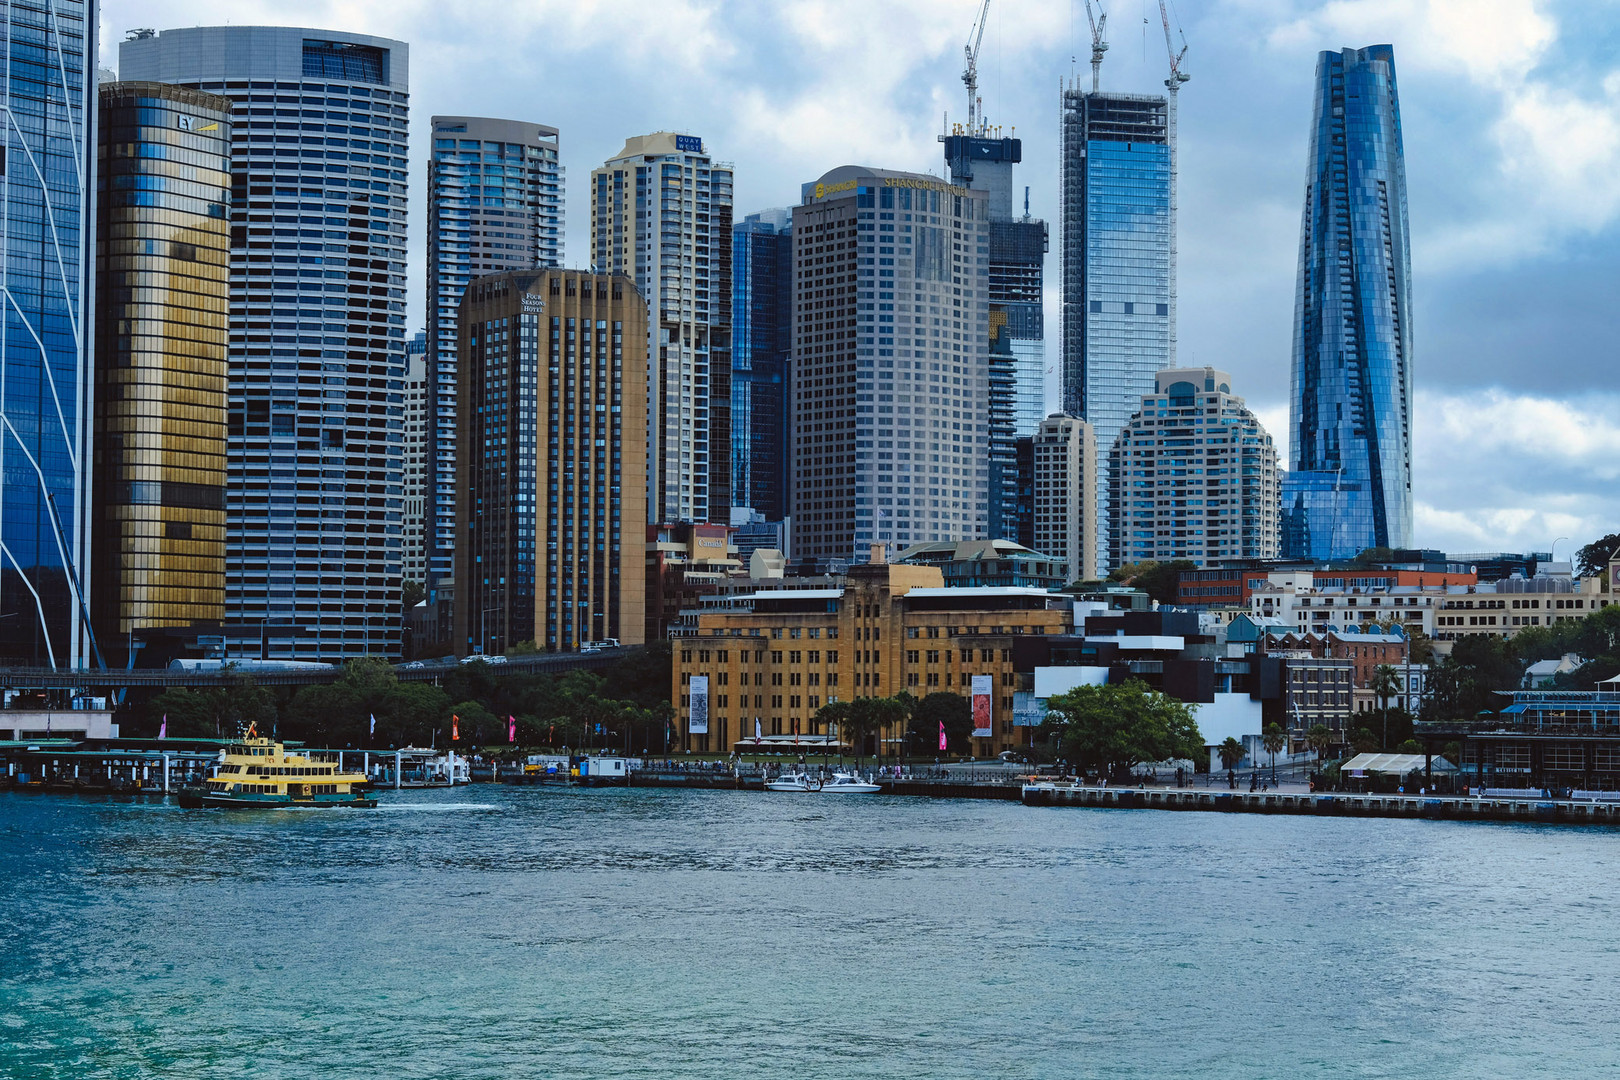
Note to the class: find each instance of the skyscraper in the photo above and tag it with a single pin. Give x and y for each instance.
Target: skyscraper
(661, 215)
(762, 344)
(1118, 258)
(495, 202)
(414, 458)
(1017, 363)
(890, 365)
(48, 87)
(317, 323)
(162, 304)
(1194, 475)
(552, 545)
(1350, 487)
(1064, 470)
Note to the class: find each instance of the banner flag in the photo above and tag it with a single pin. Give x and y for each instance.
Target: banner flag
(163, 731)
(983, 687)
(511, 728)
(698, 718)
(373, 723)
(758, 734)
(455, 727)
(942, 735)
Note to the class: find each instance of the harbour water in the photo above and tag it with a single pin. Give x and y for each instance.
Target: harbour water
(501, 932)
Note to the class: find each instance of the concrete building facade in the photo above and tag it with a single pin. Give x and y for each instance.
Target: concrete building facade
(1193, 475)
(890, 368)
(661, 214)
(1064, 456)
(553, 533)
(414, 457)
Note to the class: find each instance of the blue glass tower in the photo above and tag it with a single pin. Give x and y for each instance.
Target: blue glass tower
(762, 342)
(1350, 487)
(48, 88)
(1118, 258)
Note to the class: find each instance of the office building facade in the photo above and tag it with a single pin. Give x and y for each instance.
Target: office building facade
(49, 91)
(163, 254)
(1017, 360)
(414, 459)
(890, 363)
(1350, 485)
(1118, 259)
(661, 216)
(551, 549)
(1193, 476)
(1064, 464)
(762, 348)
(495, 202)
(318, 168)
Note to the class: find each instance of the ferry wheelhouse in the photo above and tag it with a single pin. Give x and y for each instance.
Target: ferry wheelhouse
(259, 773)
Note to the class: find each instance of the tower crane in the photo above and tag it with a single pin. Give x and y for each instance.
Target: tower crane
(970, 72)
(1098, 45)
(1172, 84)
(1177, 76)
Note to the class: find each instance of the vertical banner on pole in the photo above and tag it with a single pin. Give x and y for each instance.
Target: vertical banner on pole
(983, 687)
(698, 724)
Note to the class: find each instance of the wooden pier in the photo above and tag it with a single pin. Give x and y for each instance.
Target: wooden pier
(1324, 804)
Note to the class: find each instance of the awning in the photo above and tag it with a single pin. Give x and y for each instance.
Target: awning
(1391, 764)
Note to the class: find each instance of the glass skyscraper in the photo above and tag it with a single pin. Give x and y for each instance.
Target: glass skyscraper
(1118, 259)
(314, 483)
(761, 344)
(1350, 487)
(49, 93)
(495, 203)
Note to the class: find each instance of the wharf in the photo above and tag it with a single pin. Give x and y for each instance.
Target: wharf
(1324, 804)
(949, 789)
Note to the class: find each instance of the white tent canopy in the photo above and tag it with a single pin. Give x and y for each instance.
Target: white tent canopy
(1392, 764)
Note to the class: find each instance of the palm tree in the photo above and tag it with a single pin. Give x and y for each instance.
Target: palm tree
(1319, 738)
(1231, 752)
(1386, 683)
(1273, 740)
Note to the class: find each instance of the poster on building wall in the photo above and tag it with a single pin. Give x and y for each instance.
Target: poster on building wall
(698, 724)
(983, 686)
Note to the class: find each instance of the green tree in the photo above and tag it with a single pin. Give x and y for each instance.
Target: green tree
(932, 710)
(1319, 738)
(412, 593)
(1386, 684)
(213, 712)
(1231, 752)
(869, 717)
(1593, 559)
(475, 724)
(1112, 729)
(1273, 740)
(1463, 684)
(1363, 741)
(643, 676)
(1160, 580)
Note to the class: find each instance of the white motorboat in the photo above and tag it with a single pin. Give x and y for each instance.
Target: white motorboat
(794, 781)
(843, 783)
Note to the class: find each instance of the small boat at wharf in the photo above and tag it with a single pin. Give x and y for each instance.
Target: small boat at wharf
(258, 774)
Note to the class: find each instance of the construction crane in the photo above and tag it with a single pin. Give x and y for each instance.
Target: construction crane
(1177, 76)
(970, 72)
(1173, 84)
(1098, 45)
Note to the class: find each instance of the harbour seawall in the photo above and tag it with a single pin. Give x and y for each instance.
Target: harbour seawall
(1324, 804)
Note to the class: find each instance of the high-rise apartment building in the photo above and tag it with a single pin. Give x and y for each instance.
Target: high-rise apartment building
(48, 88)
(551, 548)
(1193, 475)
(162, 306)
(1350, 487)
(890, 364)
(317, 324)
(495, 202)
(414, 458)
(1064, 464)
(661, 216)
(762, 346)
(1017, 364)
(1118, 259)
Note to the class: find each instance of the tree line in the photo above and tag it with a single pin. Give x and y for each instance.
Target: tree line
(626, 706)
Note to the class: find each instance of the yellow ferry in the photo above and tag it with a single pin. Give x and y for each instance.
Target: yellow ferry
(258, 773)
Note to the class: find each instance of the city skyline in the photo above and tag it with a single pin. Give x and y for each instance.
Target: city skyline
(1508, 239)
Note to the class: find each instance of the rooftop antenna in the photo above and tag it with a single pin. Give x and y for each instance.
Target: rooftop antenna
(970, 73)
(1098, 45)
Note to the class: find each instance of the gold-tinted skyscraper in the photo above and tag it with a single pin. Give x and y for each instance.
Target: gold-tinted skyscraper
(162, 300)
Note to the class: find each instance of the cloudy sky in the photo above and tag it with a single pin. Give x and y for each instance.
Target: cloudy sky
(1511, 112)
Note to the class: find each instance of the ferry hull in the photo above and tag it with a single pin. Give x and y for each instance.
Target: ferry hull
(197, 799)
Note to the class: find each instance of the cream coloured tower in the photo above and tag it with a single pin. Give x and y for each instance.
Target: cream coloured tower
(1065, 451)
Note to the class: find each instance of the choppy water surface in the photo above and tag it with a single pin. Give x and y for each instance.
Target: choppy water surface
(499, 932)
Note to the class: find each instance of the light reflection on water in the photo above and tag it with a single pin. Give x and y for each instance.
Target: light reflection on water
(512, 932)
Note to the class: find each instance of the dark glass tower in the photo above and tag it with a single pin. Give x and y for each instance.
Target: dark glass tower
(762, 342)
(1350, 487)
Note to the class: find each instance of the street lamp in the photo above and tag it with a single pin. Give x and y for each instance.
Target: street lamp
(483, 629)
(1552, 556)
